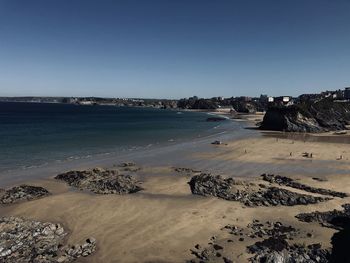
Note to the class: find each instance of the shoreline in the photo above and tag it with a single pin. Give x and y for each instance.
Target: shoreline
(147, 221)
(176, 152)
(164, 222)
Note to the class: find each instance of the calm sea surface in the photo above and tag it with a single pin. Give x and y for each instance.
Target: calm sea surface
(37, 134)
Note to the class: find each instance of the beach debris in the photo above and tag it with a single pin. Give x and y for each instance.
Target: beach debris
(22, 193)
(248, 193)
(101, 181)
(282, 180)
(24, 240)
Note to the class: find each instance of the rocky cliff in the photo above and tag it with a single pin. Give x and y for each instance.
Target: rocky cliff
(324, 115)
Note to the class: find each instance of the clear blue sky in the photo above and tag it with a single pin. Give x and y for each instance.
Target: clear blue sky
(173, 49)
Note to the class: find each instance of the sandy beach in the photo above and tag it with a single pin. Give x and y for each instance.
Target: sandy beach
(165, 220)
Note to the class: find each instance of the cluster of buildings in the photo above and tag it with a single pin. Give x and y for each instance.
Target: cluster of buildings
(338, 95)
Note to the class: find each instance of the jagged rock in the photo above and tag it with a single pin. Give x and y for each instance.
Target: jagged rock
(273, 243)
(335, 219)
(29, 241)
(22, 193)
(84, 250)
(101, 181)
(248, 194)
(292, 254)
(207, 184)
(270, 229)
(275, 248)
(320, 116)
(282, 180)
(330, 218)
(274, 196)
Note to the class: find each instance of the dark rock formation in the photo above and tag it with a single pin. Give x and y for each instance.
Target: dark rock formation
(22, 193)
(320, 116)
(32, 241)
(277, 250)
(207, 184)
(335, 219)
(274, 247)
(101, 181)
(331, 219)
(245, 106)
(282, 180)
(248, 194)
(274, 196)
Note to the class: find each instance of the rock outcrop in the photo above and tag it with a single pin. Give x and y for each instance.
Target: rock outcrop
(272, 243)
(331, 219)
(22, 193)
(247, 193)
(320, 116)
(28, 241)
(101, 181)
(277, 250)
(337, 219)
(282, 180)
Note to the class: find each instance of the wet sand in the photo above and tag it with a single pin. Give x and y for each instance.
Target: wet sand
(164, 221)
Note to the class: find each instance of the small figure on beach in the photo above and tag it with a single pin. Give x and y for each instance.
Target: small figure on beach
(245, 151)
(307, 155)
(290, 154)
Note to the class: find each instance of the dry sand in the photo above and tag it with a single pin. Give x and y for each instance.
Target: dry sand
(161, 223)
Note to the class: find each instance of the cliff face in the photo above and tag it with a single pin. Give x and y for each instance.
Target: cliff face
(321, 116)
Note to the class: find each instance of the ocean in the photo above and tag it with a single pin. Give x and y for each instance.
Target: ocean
(38, 134)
